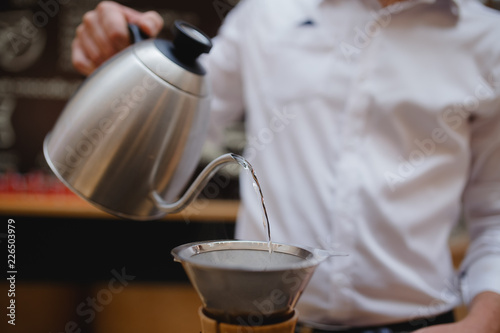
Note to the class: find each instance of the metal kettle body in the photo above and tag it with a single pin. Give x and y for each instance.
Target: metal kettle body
(130, 138)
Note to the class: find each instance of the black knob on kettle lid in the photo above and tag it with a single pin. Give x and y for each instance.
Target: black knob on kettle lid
(189, 42)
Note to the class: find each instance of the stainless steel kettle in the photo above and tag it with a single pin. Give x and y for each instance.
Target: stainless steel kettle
(130, 138)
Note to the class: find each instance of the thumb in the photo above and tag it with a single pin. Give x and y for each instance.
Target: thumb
(149, 22)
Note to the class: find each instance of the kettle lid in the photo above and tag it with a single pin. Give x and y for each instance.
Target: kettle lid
(188, 44)
(177, 62)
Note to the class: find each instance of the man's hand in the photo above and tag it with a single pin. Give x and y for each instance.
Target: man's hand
(103, 32)
(483, 317)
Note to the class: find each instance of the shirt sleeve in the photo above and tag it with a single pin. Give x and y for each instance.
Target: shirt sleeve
(224, 67)
(480, 270)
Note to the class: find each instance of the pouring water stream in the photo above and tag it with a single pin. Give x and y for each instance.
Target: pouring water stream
(256, 185)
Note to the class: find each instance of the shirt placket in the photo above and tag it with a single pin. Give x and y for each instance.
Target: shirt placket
(348, 216)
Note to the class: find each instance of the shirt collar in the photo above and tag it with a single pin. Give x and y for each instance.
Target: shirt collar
(452, 5)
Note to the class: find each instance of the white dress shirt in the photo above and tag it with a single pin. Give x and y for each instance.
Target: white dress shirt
(370, 130)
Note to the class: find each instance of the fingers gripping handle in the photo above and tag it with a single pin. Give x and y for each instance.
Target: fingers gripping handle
(136, 34)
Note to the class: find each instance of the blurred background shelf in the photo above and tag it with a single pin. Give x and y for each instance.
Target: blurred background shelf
(72, 206)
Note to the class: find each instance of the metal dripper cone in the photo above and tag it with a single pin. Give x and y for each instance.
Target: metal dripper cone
(241, 282)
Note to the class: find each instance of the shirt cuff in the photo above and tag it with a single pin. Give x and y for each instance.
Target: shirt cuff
(482, 275)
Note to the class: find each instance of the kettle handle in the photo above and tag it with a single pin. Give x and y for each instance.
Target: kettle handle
(136, 34)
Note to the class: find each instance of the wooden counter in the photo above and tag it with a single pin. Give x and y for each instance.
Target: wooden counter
(72, 206)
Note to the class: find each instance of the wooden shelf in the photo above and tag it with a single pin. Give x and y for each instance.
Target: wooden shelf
(71, 206)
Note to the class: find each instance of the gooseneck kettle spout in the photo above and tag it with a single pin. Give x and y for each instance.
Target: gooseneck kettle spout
(197, 186)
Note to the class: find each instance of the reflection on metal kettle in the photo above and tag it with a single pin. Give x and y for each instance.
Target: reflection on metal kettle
(130, 138)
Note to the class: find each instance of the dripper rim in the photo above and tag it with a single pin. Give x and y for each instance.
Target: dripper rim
(183, 254)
